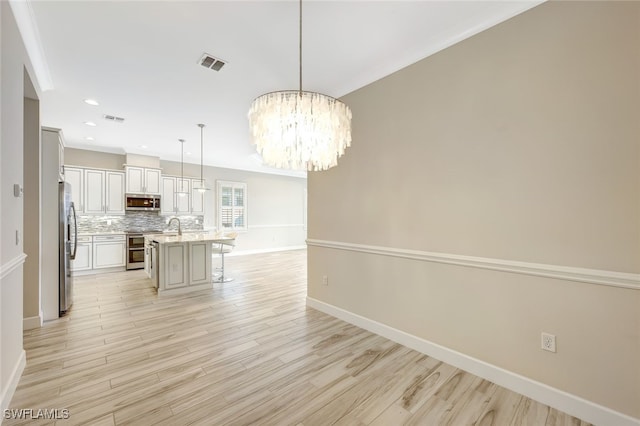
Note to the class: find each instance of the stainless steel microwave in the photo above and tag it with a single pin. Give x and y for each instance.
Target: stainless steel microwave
(142, 202)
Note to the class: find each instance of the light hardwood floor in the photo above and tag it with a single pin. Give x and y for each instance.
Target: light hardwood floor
(247, 352)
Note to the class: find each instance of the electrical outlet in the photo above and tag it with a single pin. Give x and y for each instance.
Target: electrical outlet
(325, 280)
(108, 222)
(548, 342)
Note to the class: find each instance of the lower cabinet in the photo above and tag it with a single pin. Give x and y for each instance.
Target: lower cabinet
(176, 263)
(84, 257)
(147, 256)
(109, 251)
(185, 265)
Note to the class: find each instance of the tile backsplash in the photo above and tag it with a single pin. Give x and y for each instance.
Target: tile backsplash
(136, 221)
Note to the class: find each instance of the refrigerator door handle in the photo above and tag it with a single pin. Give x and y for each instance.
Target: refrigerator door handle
(75, 233)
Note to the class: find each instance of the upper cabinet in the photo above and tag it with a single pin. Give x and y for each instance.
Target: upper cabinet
(142, 180)
(97, 192)
(114, 193)
(75, 177)
(60, 159)
(54, 136)
(179, 197)
(197, 198)
(168, 200)
(183, 196)
(103, 192)
(94, 185)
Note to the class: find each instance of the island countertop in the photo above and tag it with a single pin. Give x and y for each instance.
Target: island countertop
(189, 238)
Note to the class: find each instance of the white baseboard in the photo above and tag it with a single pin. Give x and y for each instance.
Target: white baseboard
(12, 383)
(32, 322)
(267, 250)
(563, 401)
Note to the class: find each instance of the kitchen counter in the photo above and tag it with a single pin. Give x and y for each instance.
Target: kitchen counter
(91, 234)
(183, 262)
(187, 238)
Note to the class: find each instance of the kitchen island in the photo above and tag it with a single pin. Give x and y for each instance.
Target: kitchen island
(183, 262)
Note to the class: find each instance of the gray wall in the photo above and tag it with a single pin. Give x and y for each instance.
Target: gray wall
(275, 203)
(32, 211)
(520, 144)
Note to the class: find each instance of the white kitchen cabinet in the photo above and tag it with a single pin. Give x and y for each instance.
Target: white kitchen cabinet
(183, 197)
(103, 192)
(114, 193)
(200, 262)
(176, 265)
(168, 196)
(109, 251)
(84, 259)
(172, 203)
(75, 177)
(197, 198)
(60, 158)
(147, 256)
(142, 180)
(94, 186)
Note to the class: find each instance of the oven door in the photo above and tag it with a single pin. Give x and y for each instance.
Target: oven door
(136, 241)
(135, 258)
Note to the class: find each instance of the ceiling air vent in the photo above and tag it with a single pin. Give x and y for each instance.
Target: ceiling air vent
(211, 62)
(113, 118)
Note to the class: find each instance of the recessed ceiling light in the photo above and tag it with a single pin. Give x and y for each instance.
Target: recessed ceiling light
(188, 153)
(90, 123)
(89, 138)
(144, 146)
(91, 102)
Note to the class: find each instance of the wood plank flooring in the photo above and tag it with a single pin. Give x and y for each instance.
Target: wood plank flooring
(247, 352)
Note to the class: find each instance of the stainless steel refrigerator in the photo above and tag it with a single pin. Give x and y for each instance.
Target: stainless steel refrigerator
(67, 245)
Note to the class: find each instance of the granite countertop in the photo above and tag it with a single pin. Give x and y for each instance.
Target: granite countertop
(91, 234)
(188, 238)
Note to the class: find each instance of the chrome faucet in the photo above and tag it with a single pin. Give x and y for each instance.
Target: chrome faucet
(179, 227)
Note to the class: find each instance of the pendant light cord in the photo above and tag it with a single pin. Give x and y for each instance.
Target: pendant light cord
(201, 155)
(181, 165)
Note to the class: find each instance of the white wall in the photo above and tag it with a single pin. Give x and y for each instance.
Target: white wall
(12, 92)
(492, 192)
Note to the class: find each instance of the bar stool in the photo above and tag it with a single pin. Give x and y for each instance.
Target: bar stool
(223, 248)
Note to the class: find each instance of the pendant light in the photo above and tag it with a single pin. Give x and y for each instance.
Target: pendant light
(182, 192)
(201, 187)
(299, 130)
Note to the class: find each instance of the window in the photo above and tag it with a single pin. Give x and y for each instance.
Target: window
(232, 206)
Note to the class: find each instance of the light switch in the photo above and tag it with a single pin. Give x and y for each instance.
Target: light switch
(17, 190)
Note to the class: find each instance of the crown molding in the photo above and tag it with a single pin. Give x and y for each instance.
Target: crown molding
(26, 21)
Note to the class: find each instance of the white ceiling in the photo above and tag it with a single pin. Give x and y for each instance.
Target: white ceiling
(138, 59)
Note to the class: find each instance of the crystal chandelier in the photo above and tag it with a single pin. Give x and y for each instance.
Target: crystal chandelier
(300, 130)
